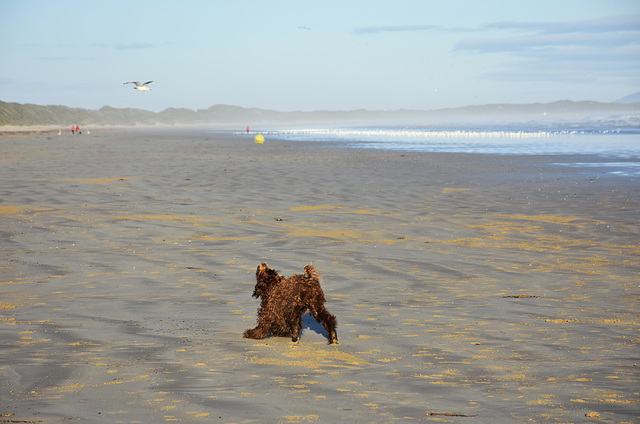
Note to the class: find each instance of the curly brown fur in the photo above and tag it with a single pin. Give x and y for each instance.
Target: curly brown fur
(285, 300)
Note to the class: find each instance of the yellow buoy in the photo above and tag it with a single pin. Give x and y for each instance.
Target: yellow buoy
(259, 139)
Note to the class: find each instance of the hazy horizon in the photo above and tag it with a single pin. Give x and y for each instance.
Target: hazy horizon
(585, 101)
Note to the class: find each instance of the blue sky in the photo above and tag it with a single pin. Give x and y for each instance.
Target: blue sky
(313, 55)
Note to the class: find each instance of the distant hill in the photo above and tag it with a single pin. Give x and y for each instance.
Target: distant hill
(631, 98)
(16, 114)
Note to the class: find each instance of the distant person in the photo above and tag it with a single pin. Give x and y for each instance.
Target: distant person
(78, 130)
(73, 129)
(247, 130)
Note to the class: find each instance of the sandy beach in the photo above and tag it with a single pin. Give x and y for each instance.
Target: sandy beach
(468, 288)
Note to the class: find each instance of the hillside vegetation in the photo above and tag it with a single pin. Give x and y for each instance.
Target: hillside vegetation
(16, 114)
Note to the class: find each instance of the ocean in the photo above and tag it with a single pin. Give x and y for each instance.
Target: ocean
(612, 143)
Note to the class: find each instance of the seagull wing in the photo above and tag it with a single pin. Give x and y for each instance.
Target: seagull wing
(137, 83)
(148, 82)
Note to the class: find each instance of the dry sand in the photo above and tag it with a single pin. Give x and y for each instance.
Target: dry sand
(468, 288)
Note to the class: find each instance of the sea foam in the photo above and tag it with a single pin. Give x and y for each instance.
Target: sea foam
(603, 142)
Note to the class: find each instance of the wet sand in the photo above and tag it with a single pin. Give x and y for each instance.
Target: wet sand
(468, 288)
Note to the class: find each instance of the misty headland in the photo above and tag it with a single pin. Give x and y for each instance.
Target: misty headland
(23, 115)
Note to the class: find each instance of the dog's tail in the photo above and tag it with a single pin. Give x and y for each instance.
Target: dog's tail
(311, 273)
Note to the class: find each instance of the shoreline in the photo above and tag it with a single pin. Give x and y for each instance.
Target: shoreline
(468, 288)
(8, 131)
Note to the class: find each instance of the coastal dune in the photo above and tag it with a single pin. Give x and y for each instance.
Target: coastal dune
(467, 288)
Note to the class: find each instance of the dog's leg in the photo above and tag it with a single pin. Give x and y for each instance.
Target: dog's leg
(297, 328)
(261, 331)
(256, 333)
(329, 322)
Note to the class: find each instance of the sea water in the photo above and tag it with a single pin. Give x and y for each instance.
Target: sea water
(612, 144)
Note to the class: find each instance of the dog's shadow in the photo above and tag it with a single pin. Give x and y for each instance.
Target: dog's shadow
(310, 323)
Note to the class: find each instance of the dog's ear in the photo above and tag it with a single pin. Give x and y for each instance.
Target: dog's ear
(260, 288)
(265, 277)
(263, 271)
(261, 268)
(260, 280)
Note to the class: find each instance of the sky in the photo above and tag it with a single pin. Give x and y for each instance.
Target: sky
(290, 55)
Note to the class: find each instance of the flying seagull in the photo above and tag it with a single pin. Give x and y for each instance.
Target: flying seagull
(140, 86)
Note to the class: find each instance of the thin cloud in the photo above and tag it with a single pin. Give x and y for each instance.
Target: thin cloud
(554, 71)
(539, 41)
(395, 28)
(606, 24)
(124, 46)
(133, 45)
(609, 32)
(588, 50)
(65, 58)
(606, 57)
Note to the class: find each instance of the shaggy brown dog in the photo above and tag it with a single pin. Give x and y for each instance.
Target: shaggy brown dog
(285, 300)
